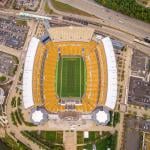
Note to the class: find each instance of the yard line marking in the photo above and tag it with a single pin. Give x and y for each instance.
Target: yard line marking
(61, 77)
(80, 77)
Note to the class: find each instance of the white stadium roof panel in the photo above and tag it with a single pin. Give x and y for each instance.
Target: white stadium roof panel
(112, 73)
(27, 75)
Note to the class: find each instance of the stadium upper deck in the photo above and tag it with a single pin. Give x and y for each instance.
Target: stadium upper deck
(101, 71)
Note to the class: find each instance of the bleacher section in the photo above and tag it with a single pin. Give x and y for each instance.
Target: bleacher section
(95, 82)
(103, 74)
(51, 101)
(36, 80)
(61, 34)
(89, 101)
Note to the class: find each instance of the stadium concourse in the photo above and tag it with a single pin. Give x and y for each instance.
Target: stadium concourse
(71, 71)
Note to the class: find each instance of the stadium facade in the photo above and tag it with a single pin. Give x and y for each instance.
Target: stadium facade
(70, 71)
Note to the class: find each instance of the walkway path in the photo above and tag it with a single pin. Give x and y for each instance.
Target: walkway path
(70, 139)
(11, 128)
(120, 131)
(9, 50)
(64, 126)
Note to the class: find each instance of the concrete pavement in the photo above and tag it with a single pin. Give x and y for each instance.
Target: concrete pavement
(10, 51)
(70, 140)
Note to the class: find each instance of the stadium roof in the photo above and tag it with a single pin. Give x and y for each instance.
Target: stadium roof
(71, 33)
(112, 73)
(27, 75)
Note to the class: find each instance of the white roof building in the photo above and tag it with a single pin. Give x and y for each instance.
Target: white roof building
(86, 134)
(112, 73)
(28, 71)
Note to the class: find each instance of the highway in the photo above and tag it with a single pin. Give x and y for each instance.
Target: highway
(107, 17)
(112, 18)
(118, 30)
(127, 36)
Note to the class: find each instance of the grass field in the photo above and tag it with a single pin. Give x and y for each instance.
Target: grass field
(70, 77)
(103, 141)
(68, 8)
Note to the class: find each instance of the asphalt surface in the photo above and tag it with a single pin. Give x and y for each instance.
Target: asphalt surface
(126, 36)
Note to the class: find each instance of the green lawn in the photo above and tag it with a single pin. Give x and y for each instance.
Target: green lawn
(48, 140)
(68, 8)
(47, 9)
(2, 78)
(80, 138)
(102, 141)
(70, 77)
(7, 143)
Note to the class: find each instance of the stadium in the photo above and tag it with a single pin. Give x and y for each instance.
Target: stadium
(70, 70)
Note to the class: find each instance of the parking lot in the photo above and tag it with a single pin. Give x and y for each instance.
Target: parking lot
(134, 127)
(139, 87)
(8, 64)
(132, 135)
(11, 34)
(139, 92)
(139, 63)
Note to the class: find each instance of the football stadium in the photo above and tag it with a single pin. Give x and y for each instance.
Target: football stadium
(70, 70)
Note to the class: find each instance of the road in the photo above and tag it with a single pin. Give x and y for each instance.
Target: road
(112, 18)
(127, 37)
(70, 140)
(10, 50)
(139, 29)
(108, 17)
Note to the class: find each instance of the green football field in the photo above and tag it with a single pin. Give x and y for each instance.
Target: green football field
(70, 77)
